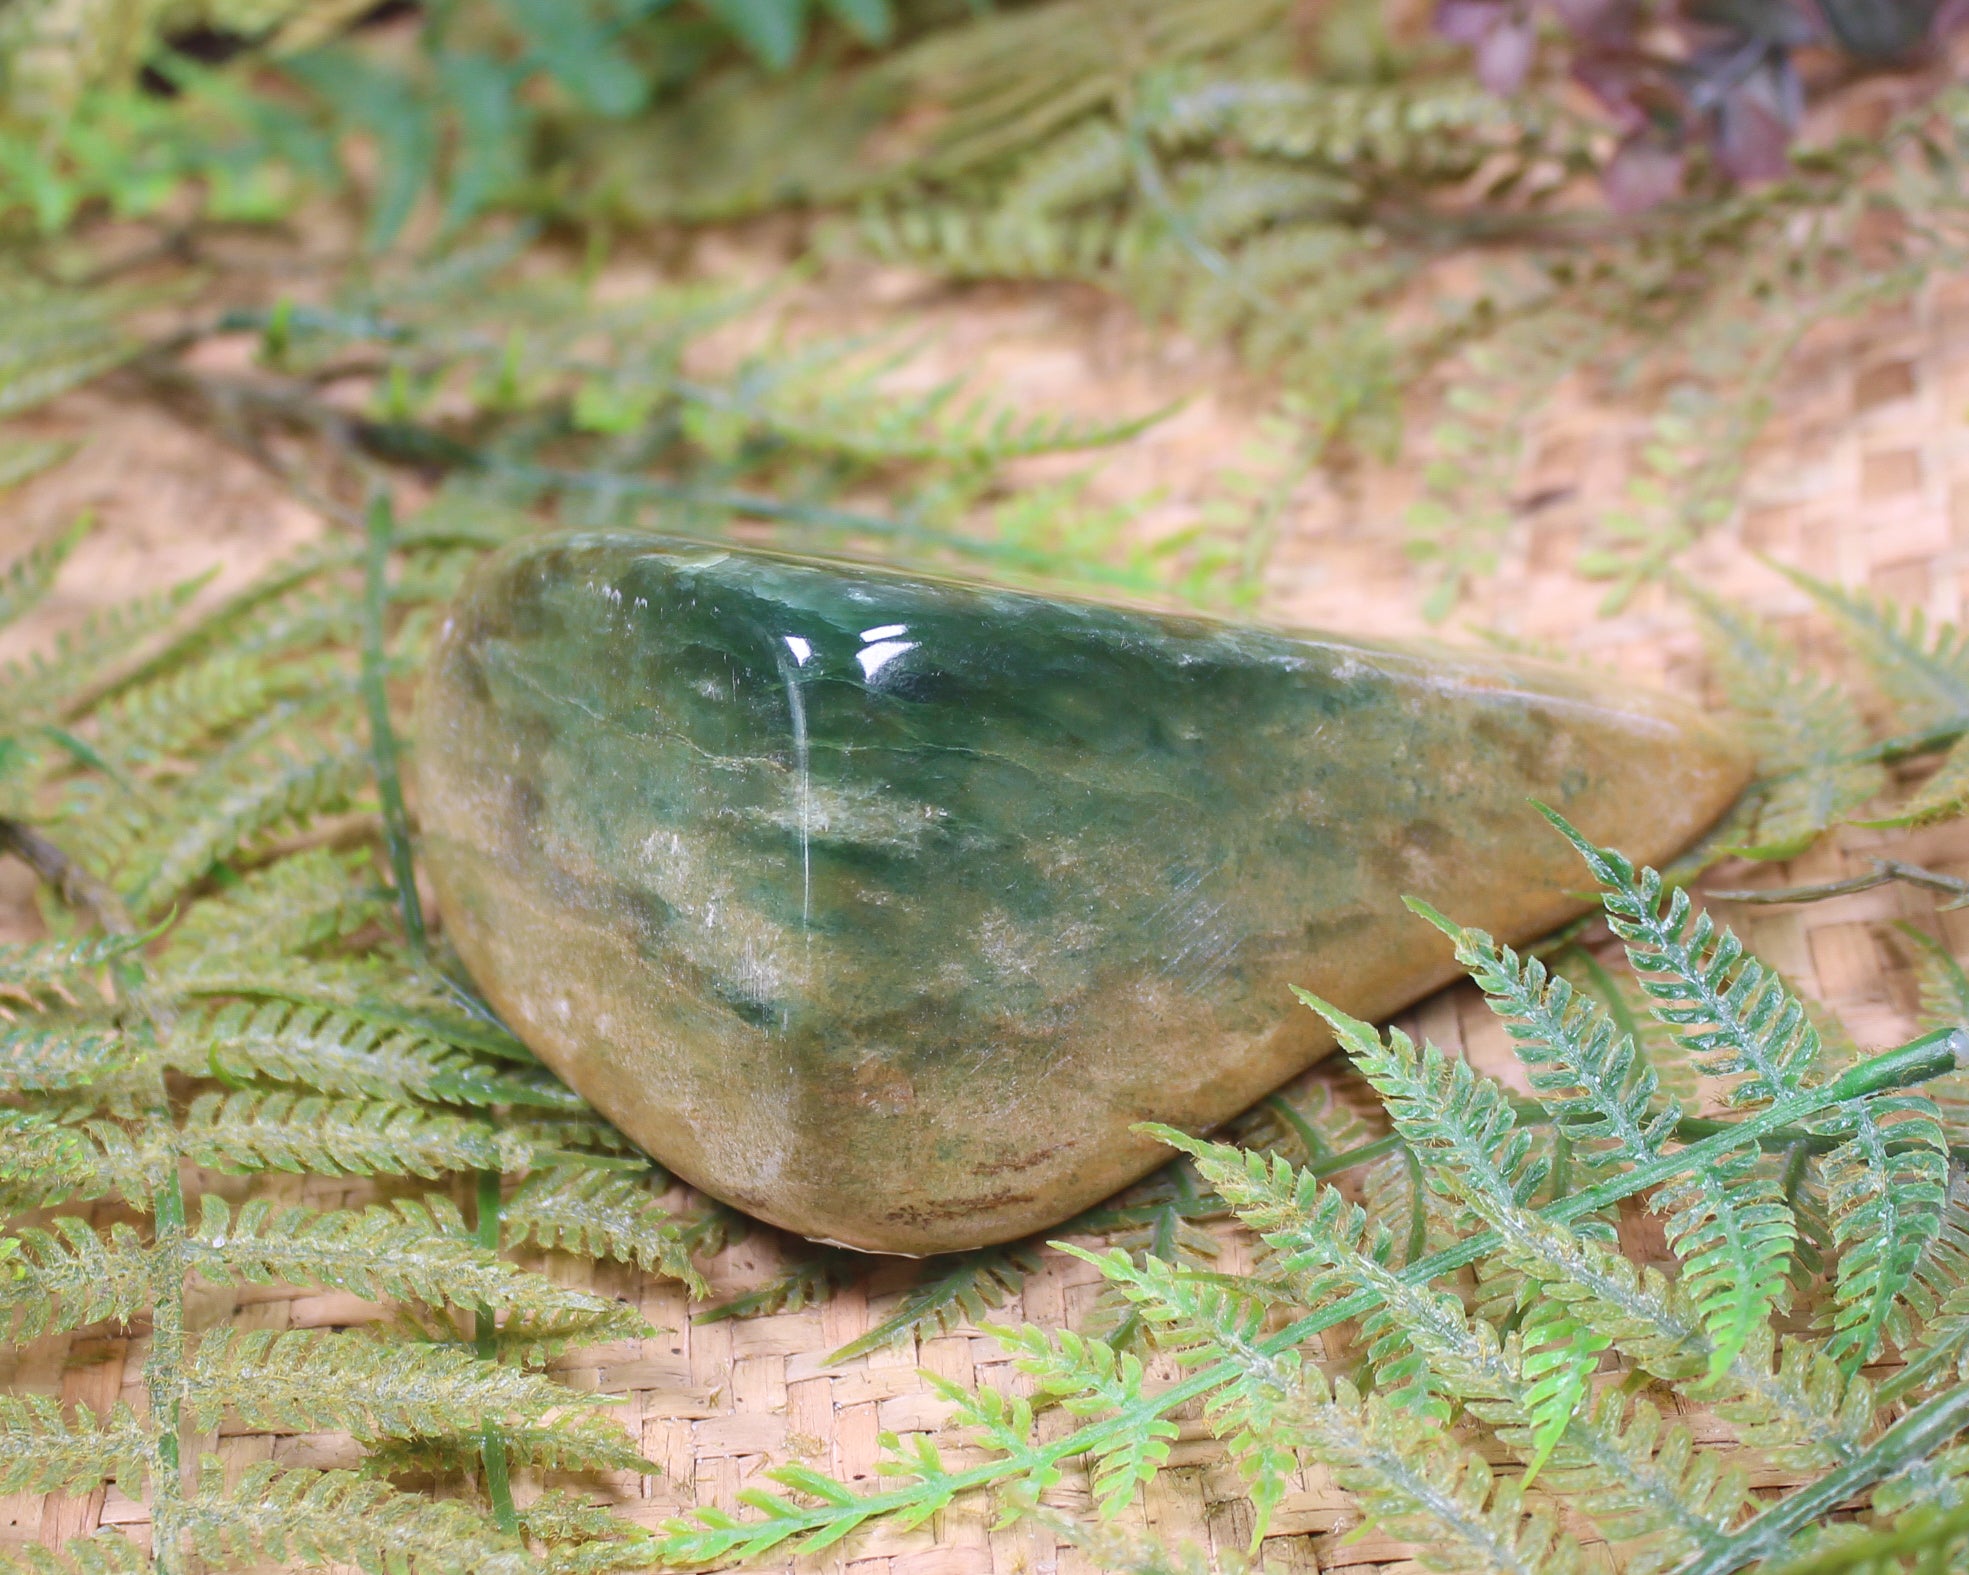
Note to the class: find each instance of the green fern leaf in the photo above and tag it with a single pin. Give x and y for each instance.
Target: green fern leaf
(1087, 1376)
(1731, 1011)
(39, 1057)
(1887, 1190)
(812, 1276)
(312, 899)
(45, 1161)
(250, 1130)
(47, 686)
(1426, 1352)
(1944, 997)
(376, 990)
(1930, 1539)
(100, 1553)
(1804, 730)
(307, 1380)
(44, 1451)
(64, 1275)
(1462, 1126)
(1413, 1480)
(149, 722)
(55, 340)
(1727, 1224)
(410, 1252)
(1923, 671)
(583, 1442)
(340, 1517)
(602, 1214)
(1944, 796)
(532, 1337)
(28, 969)
(224, 810)
(340, 1054)
(962, 1289)
(1560, 1355)
(29, 578)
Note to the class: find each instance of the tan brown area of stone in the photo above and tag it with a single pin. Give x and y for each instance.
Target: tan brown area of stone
(1863, 479)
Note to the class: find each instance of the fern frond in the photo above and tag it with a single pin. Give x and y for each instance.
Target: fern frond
(102, 1552)
(1804, 730)
(1426, 1351)
(1796, 1405)
(310, 899)
(167, 716)
(583, 1442)
(1944, 997)
(1728, 1224)
(1943, 796)
(341, 1517)
(250, 1130)
(1163, 1215)
(1926, 1540)
(64, 1275)
(1584, 1072)
(29, 578)
(49, 685)
(42, 1450)
(1559, 1354)
(1887, 1187)
(45, 1161)
(960, 1289)
(830, 398)
(28, 969)
(42, 1057)
(340, 1054)
(816, 1273)
(1732, 1012)
(308, 1380)
(376, 990)
(603, 1214)
(531, 1337)
(1462, 1124)
(220, 812)
(410, 1252)
(1415, 1482)
(55, 340)
(1088, 1376)
(1923, 671)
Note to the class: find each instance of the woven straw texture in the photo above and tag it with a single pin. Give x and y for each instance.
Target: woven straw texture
(1863, 478)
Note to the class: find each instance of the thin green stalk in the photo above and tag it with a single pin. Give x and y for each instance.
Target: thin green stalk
(1922, 1431)
(492, 1442)
(381, 523)
(1883, 1550)
(1921, 1059)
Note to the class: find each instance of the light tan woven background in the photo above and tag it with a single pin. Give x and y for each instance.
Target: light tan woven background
(1863, 479)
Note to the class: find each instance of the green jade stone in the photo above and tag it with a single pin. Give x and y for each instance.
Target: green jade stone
(883, 906)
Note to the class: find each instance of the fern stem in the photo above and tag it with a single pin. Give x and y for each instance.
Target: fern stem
(492, 1443)
(381, 523)
(1930, 1056)
(1884, 870)
(1918, 1434)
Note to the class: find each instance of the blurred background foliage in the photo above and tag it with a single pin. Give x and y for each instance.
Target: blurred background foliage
(1412, 226)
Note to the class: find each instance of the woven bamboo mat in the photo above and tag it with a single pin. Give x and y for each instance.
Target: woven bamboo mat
(1862, 479)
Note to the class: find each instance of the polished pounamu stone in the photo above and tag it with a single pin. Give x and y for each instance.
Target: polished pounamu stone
(882, 906)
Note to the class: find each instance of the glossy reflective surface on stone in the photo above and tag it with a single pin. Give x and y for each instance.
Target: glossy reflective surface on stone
(881, 907)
